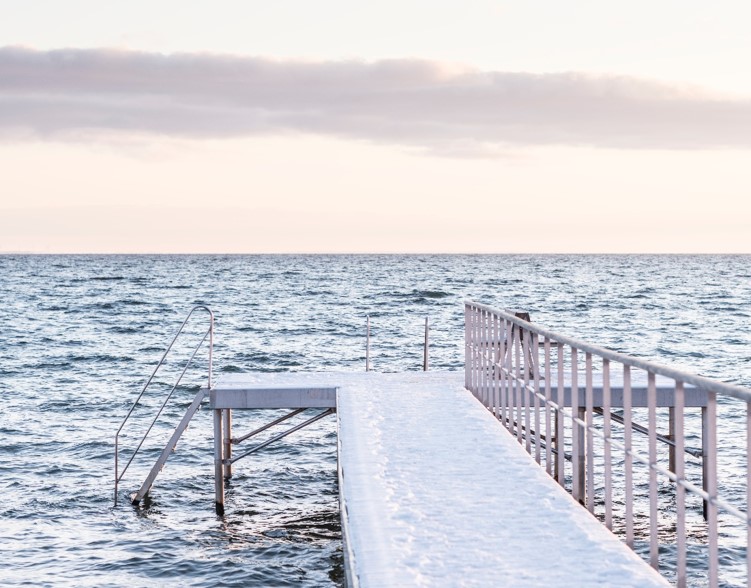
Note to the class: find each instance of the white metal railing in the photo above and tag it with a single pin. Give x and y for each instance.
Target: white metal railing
(208, 334)
(547, 390)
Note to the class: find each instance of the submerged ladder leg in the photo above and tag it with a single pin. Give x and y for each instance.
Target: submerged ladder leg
(169, 448)
(218, 462)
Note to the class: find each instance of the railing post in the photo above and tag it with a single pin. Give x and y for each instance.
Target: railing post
(577, 434)
(711, 482)
(560, 436)
(671, 436)
(425, 350)
(218, 465)
(704, 454)
(467, 357)
(654, 546)
(367, 344)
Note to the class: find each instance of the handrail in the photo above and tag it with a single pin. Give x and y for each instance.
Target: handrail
(686, 377)
(210, 334)
(505, 356)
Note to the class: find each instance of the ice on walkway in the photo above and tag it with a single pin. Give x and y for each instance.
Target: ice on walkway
(436, 492)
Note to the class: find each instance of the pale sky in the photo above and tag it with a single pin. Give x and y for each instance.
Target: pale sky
(333, 126)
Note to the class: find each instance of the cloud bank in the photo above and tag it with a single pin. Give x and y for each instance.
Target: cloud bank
(420, 104)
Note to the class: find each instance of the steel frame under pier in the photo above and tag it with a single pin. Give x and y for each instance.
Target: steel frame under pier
(229, 395)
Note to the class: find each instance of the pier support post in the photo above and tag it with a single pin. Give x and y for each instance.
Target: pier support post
(227, 441)
(218, 465)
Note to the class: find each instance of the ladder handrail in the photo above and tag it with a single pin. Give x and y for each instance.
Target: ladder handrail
(210, 334)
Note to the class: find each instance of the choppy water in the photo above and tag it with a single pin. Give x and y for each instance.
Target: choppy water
(79, 335)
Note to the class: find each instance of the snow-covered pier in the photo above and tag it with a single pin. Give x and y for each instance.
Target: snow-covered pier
(491, 476)
(434, 492)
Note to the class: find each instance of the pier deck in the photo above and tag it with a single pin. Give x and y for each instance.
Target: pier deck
(434, 491)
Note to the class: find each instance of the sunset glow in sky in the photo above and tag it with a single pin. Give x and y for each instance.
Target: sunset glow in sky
(332, 126)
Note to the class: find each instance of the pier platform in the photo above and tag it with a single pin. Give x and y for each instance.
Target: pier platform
(434, 491)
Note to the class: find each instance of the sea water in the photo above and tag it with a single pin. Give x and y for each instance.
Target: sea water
(79, 336)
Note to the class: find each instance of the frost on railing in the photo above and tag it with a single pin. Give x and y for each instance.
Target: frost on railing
(591, 416)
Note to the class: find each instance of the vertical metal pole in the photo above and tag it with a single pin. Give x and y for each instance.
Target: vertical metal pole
(536, 388)
(606, 402)
(425, 351)
(467, 357)
(525, 389)
(628, 460)
(680, 491)
(577, 434)
(496, 366)
(711, 461)
(548, 432)
(367, 345)
(227, 440)
(116, 470)
(211, 346)
(506, 389)
(704, 454)
(748, 495)
(560, 438)
(485, 364)
(578, 457)
(654, 544)
(671, 436)
(218, 467)
(517, 388)
(480, 356)
(589, 454)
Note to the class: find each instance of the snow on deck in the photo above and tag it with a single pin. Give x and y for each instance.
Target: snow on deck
(434, 491)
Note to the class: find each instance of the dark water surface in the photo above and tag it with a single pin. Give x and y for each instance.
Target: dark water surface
(80, 334)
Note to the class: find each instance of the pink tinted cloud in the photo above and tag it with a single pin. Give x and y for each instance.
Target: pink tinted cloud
(420, 104)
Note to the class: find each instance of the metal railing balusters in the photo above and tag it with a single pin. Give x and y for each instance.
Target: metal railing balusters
(484, 345)
(491, 364)
(480, 356)
(652, 420)
(680, 491)
(506, 376)
(500, 345)
(589, 456)
(577, 461)
(497, 365)
(628, 461)
(607, 459)
(560, 442)
(517, 398)
(548, 398)
(711, 462)
(525, 390)
(481, 336)
(748, 494)
(536, 384)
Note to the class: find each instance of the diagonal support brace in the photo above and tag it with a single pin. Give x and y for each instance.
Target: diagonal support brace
(310, 421)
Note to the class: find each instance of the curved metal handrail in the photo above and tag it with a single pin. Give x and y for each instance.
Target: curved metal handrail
(210, 334)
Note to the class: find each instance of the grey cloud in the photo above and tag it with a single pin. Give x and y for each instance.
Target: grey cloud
(420, 104)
